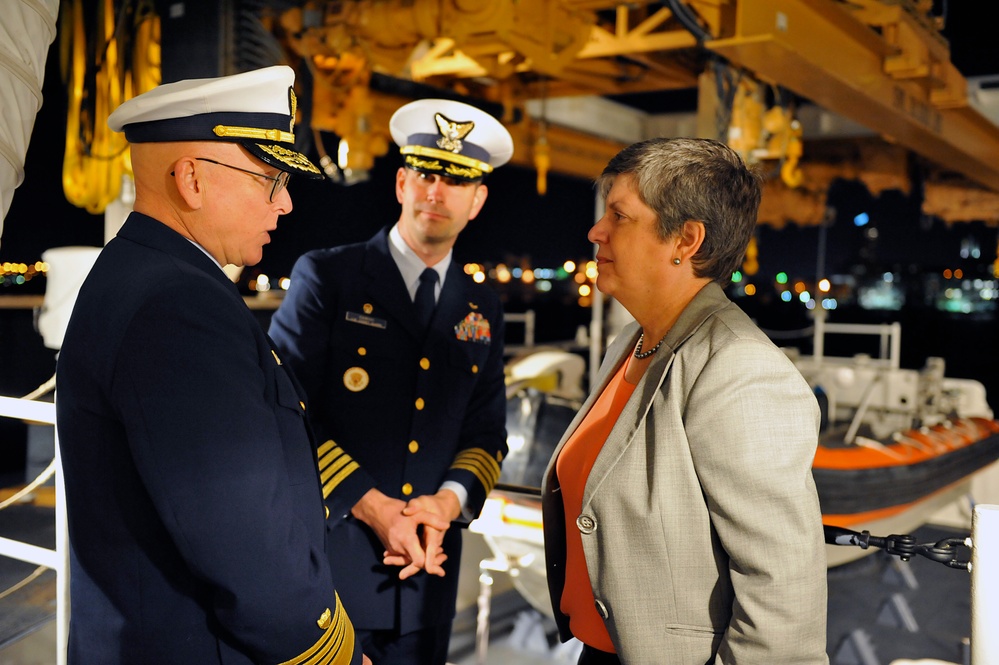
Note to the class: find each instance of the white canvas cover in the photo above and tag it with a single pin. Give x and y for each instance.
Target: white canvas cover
(27, 28)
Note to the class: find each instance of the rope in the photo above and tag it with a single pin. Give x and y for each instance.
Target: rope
(23, 583)
(30, 487)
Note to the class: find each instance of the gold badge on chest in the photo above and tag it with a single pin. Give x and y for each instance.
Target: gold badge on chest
(355, 379)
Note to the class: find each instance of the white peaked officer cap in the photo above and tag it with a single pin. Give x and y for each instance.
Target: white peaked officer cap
(255, 109)
(450, 138)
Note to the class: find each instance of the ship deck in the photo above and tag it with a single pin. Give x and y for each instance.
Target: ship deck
(880, 609)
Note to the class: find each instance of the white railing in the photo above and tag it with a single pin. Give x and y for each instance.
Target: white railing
(55, 559)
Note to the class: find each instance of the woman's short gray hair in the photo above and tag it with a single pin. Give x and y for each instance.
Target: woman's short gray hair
(704, 180)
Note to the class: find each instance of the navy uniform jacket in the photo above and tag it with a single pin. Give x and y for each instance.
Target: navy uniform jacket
(394, 410)
(196, 520)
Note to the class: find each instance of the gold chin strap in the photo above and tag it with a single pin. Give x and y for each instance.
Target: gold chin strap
(254, 133)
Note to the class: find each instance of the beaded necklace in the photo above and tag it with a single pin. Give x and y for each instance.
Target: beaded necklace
(639, 354)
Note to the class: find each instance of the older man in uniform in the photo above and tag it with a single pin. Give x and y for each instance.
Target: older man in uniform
(401, 354)
(196, 518)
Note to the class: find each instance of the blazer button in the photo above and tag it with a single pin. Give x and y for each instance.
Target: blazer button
(601, 609)
(586, 524)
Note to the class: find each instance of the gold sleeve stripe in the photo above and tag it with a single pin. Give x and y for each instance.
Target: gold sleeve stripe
(479, 456)
(477, 473)
(481, 464)
(488, 470)
(330, 469)
(334, 466)
(339, 478)
(331, 457)
(329, 453)
(335, 647)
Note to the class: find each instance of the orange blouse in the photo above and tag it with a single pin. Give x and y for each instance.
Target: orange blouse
(573, 466)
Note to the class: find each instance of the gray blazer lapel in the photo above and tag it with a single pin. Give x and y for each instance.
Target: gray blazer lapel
(707, 301)
(631, 417)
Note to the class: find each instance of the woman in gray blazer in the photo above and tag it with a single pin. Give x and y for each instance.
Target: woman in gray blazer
(681, 521)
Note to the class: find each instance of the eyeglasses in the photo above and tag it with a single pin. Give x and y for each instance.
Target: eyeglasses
(280, 180)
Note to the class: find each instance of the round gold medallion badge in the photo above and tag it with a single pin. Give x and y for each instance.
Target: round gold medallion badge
(355, 379)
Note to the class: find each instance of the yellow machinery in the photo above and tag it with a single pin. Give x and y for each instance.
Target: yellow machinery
(881, 63)
(102, 69)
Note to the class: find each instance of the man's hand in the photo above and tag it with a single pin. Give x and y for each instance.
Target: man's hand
(396, 530)
(365, 660)
(443, 504)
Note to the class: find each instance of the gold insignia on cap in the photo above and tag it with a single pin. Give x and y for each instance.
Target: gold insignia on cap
(355, 379)
(325, 619)
(293, 103)
(452, 132)
(289, 157)
(368, 308)
(417, 163)
(463, 172)
(435, 154)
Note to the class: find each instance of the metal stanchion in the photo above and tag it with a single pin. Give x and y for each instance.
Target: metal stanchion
(985, 585)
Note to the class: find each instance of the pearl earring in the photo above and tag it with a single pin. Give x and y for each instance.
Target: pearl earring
(676, 262)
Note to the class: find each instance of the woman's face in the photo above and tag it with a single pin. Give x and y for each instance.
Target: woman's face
(631, 257)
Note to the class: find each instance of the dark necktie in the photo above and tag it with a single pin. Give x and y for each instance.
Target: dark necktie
(425, 301)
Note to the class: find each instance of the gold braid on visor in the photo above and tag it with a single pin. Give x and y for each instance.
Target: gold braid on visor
(254, 133)
(464, 160)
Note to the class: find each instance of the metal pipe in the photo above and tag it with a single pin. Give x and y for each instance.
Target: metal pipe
(30, 553)
(39, 412)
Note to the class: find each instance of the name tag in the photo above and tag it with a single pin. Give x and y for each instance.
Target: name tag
(366, 320)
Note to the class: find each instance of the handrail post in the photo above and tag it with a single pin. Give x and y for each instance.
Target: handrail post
(984, 585)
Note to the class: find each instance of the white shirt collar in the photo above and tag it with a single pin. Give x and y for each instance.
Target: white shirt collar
(411, 266)
(206, 253)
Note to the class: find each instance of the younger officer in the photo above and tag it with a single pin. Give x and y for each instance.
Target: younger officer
(196, 521)
(411, 410)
